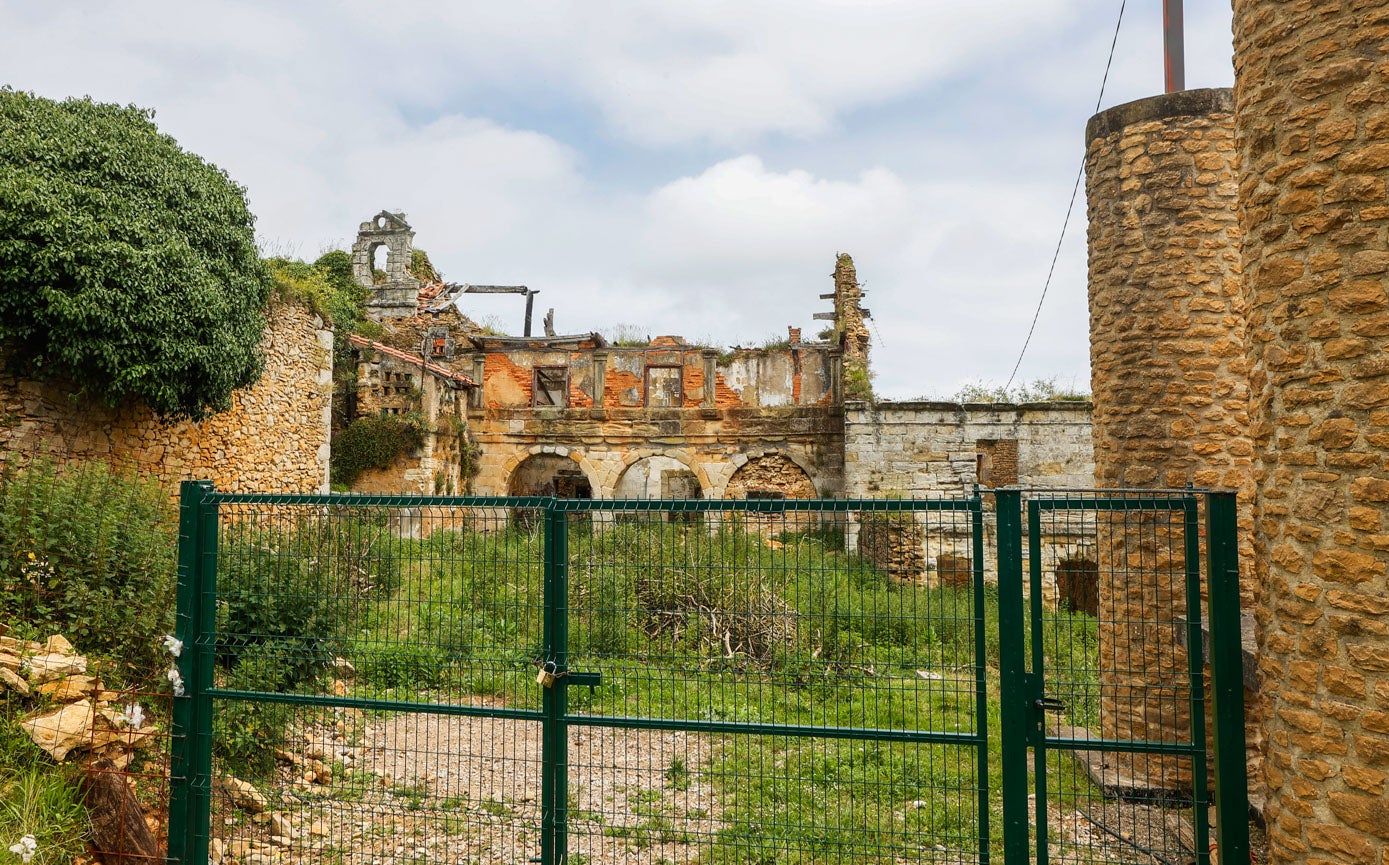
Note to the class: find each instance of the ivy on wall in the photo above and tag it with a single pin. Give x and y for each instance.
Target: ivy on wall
(374, 443)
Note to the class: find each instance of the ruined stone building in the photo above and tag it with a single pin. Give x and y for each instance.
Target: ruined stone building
(572, 415)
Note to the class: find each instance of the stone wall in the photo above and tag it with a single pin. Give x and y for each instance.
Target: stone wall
(1312, 114)
(273, 439)
(1169, 375)
(925, 449)
(931, 448)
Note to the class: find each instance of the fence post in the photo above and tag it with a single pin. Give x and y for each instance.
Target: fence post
(189, 622)
(1227, 686)
(185, 621)
(1013, 693)
(981, 671)
(554, 766)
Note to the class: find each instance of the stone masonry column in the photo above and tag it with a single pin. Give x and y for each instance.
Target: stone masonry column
(1312, 102)
(1170, 381)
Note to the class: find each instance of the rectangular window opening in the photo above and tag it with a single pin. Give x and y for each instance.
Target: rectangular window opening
(551, 386)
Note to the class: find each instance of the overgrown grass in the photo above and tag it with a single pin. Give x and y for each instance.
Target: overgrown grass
(693, 621)
(36, 799)
(79, 539)
(697, 621)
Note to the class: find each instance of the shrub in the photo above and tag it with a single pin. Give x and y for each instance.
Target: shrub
(374, 443)
(401, 665)
(299, 590)
(128, 266)
(79, 539)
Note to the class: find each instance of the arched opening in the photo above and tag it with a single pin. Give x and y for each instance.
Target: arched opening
(771, 476)
(660, 477)
(549, 475)
(380, 263)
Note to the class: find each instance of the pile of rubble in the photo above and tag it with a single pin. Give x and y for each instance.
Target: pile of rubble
(87, 718)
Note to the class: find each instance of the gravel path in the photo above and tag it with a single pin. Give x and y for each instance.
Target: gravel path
(416, 788)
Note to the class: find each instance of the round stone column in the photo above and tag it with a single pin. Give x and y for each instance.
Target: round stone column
(1169, 374)
(1312, 102)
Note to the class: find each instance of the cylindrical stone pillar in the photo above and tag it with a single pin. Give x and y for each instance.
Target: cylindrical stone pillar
(1312, 104)
(1169, 375)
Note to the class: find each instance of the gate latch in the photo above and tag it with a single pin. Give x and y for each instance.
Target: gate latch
(1048, 704)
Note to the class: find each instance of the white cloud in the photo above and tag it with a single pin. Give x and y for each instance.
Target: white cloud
(687, 167)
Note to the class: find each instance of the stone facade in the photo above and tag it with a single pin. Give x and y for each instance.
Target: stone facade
(275, 437)
(931, 448)
(1312, 119)
(1169, 374)
(922, 449)
(638, 422)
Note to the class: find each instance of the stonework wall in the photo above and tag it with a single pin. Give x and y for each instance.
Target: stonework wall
(1169, 374)
(1312, 109)
(273, 439)
(924, 449)
(928, 448)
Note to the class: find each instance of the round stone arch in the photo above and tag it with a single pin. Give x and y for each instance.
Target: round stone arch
(771, 470)
(638, 478)
(553, 457)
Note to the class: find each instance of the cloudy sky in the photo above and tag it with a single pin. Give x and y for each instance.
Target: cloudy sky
(683, 167)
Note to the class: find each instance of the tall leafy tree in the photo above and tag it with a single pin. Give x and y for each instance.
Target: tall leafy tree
(128, 266)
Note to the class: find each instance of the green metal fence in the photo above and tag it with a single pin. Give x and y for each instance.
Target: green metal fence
(410, 679)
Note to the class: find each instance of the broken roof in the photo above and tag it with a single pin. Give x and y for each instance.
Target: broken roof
(457, 379)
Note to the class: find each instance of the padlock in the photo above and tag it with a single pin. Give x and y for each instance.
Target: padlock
(546, 676)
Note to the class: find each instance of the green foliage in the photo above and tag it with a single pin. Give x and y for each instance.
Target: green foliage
(327, 288)
(246, 734)
(401, 665)
(1038, 390)
(858, 383)
(374, 443)
(127, 265)
(421, 268)
(36, 799)
(289, 598)
(82, 539)
(624, 335)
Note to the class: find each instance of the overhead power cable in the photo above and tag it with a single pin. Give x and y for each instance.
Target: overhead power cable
(1075, 188)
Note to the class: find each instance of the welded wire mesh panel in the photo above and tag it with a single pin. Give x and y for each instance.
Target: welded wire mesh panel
(1116, 604)
(685, 796)
(374, 665)
(779, 681)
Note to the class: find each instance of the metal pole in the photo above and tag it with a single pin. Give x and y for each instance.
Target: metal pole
(530, 301)
(1174, 52)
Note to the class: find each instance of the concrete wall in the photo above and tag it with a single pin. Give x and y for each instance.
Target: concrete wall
(273, 439)
(1312, 117)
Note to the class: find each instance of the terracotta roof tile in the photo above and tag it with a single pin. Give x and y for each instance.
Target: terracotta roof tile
(431, 368)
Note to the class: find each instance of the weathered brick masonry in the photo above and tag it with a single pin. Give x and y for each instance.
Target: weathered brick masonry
(1312, 111)
(1169, 374)
(273, 439)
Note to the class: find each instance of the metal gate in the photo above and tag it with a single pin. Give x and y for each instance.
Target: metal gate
(441, 679)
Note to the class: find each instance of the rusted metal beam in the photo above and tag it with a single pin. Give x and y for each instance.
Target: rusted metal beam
(1173, 49)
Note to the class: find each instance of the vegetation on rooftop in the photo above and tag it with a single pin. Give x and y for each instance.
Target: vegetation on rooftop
(1037, 390)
